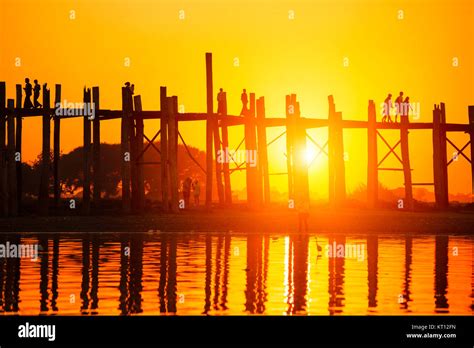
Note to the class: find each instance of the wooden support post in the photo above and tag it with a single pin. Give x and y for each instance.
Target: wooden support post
(57, 147)
(372, 161)
(209, 130)
(86, 192)
(125, 151)
(225, 148)
(217, 149)
(300, 166)
(440, 180)
(262, 149)
(133, 155)
(409, 205)
(337, 181)
(471, 137)
(253, 194)
(139, 144)
(173, 151)
(11, 173)
(444, 154)
(45, 154)
(164, 148)
(290, 112)
(3, 151)
(18, 154)
(97, 170)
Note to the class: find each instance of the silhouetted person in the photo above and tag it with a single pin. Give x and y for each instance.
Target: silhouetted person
(187, 191)
(398, 106)
(245, 101)
(129, 87)
(196, 192)
(28, 93)
(406, 108)
(387, 105)
(36, 94)
(220, 102)
(132, 89)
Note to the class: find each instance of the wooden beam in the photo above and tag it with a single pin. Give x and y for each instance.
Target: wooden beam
(86, 160)
(290, 111)
(209, 130)
(57, 147)
(409, 204)
(96, 162)
(125, 151)
(11, 173)
(18, 149)
(225, 148)
(139, 144)
(45, 154)
(252, 176)
(262, 149)
(164, 149)
(372, 172)
(439, 179)
(3, 151)
(173, 153)
(218, 166)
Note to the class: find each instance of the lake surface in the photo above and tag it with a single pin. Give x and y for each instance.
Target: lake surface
(238, 274)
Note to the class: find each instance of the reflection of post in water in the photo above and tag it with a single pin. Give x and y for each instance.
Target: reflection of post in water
(406, 283)
(90, 274)
(441, 274)
(300, 272)
(55, 273)
(131, 272)
(225, 281)
(44, 265)
(11, 278)
(336, 263)
(372, 269)
(2, 277)
(217, 276)
(207, 285)
(168, 267)
(255, 291)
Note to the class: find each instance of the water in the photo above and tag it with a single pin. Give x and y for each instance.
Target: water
(238, 274)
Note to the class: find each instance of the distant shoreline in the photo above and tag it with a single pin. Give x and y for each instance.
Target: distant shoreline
(242, 221)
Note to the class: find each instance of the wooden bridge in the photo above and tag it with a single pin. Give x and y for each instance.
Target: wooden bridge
(134, 143)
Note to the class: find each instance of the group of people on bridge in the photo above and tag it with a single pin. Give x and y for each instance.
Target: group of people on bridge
(221, 102)
(32, 91)
(402, 107)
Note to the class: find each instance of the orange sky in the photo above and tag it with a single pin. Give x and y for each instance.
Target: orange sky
(277, 56)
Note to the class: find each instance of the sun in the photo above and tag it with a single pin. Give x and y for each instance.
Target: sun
(309, 155)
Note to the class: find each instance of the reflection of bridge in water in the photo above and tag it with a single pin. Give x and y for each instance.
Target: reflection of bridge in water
(135, 142)
(225, 273)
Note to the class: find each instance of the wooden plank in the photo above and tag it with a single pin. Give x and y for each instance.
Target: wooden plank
(86, 160)
(57, 147)
(471, 136)
(372, 172)
(409, 204)
(139, 144)
(45, 154)
(164, 149)
(11, 165)
(173, 151)
(440, 183)
(18, 146)
(262, 149)
(225, 147)
(3, 148)
(96, 162)
(125, 151)
(209, 130)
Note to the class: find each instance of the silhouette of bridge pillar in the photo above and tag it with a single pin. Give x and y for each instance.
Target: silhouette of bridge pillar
(471, 138)
(125, 150)
(45, 155)
(86, 192)
(97, 170)
(254, 197)
(137, 100)
(173, 151)
(225, 146)
(440, 172)
(3, 162)
(406, 162)
(290, 114)
(262, 158)
(372, 170)
(11, 166)
(164, 148)
(336, 167)
(57, 148)
(18, 143)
